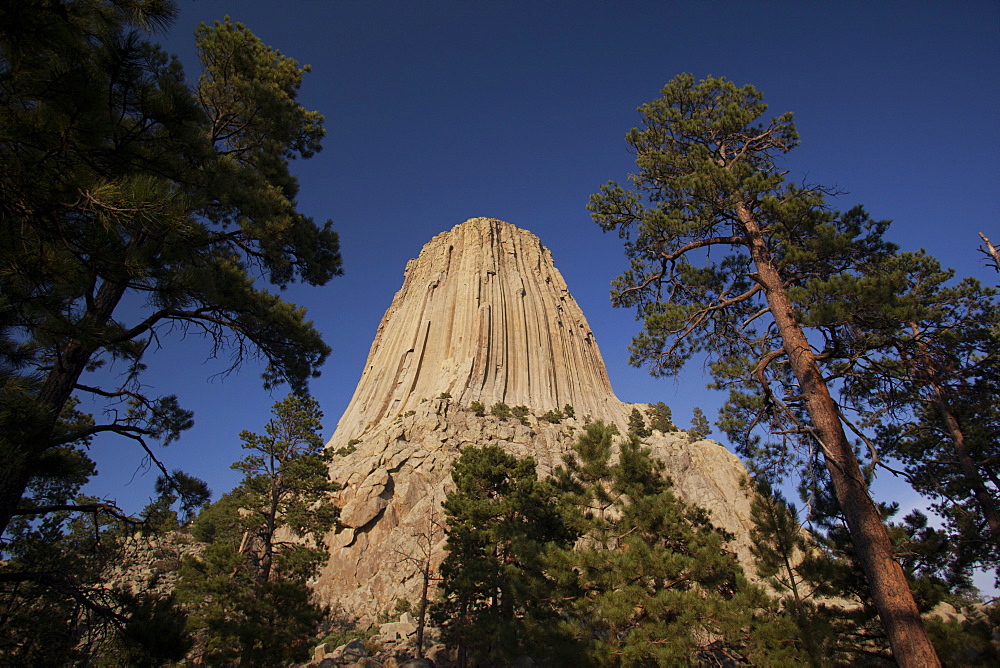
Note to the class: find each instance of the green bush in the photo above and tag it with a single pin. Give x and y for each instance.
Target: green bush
(555, 417)
(521, 413)
(351, 446)
(500, 410)
(477, 408)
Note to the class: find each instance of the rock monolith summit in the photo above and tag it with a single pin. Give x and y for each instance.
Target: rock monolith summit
(483, 316)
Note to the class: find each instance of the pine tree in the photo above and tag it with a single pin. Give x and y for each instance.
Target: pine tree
(709, 177)
(191, 493)
(637, 425)
(661, 418)
(56, 604)
(247, 591)
(651, 582)
(786, 559)
(493, 597)
(700, 428)
(123, 178)
(500, 410)
(851, 633)
(927, 387)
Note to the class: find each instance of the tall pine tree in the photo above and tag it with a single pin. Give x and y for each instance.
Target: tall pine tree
(709, 180)
(247, 591)
(495, 604)
(125, 182)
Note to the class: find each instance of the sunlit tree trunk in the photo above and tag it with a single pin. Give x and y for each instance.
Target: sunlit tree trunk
(897, 608)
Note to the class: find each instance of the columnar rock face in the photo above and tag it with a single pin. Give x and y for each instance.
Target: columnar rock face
(483, 315)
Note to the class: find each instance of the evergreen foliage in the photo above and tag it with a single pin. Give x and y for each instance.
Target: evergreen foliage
(494, 602)
(651, 583)
(927, 388)
(782, 264)
(500, 410)
(56, 606)
(785, 558)
(125, 182)
(55, 603)
(661, 418)
(637, 425)
(247, 592)
(826, 592)
(555, 417)
(477, 408)
(191, 493)
(700, 428)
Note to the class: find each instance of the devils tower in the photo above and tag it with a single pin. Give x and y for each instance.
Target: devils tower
(483, 316)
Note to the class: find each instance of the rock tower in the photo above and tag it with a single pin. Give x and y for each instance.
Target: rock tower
(483, 316)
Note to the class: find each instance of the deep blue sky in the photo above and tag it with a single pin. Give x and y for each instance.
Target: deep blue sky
(438, 112)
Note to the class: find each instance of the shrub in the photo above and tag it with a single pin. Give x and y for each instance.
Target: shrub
(553, 416)
(478, 408)
(500, 410)
(351, 446)
(521, 413)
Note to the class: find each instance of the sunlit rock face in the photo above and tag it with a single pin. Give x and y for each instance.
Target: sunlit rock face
(483, 315)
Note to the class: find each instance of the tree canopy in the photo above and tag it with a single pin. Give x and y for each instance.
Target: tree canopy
(728, 259)
(493, 602)
(247, 591)
(651, 582)
(137, 202)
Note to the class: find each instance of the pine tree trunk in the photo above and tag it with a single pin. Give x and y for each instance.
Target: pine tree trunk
(28, 442)
(923, 367)
(979, 490)
(897, 608)
(270, 527)
(422, 613)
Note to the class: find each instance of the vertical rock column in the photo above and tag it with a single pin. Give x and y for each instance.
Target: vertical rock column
(483, 315)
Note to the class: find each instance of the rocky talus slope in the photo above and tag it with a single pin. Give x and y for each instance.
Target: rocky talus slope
(483, 315)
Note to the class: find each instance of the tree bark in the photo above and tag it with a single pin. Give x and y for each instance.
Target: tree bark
(422, 614)
(967, 464)
(897, 608)
(27, 442)
(924, 368)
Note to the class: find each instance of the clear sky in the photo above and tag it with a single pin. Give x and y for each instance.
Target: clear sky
(441, 111)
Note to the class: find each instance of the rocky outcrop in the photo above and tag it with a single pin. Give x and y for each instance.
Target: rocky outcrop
(483, 316)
